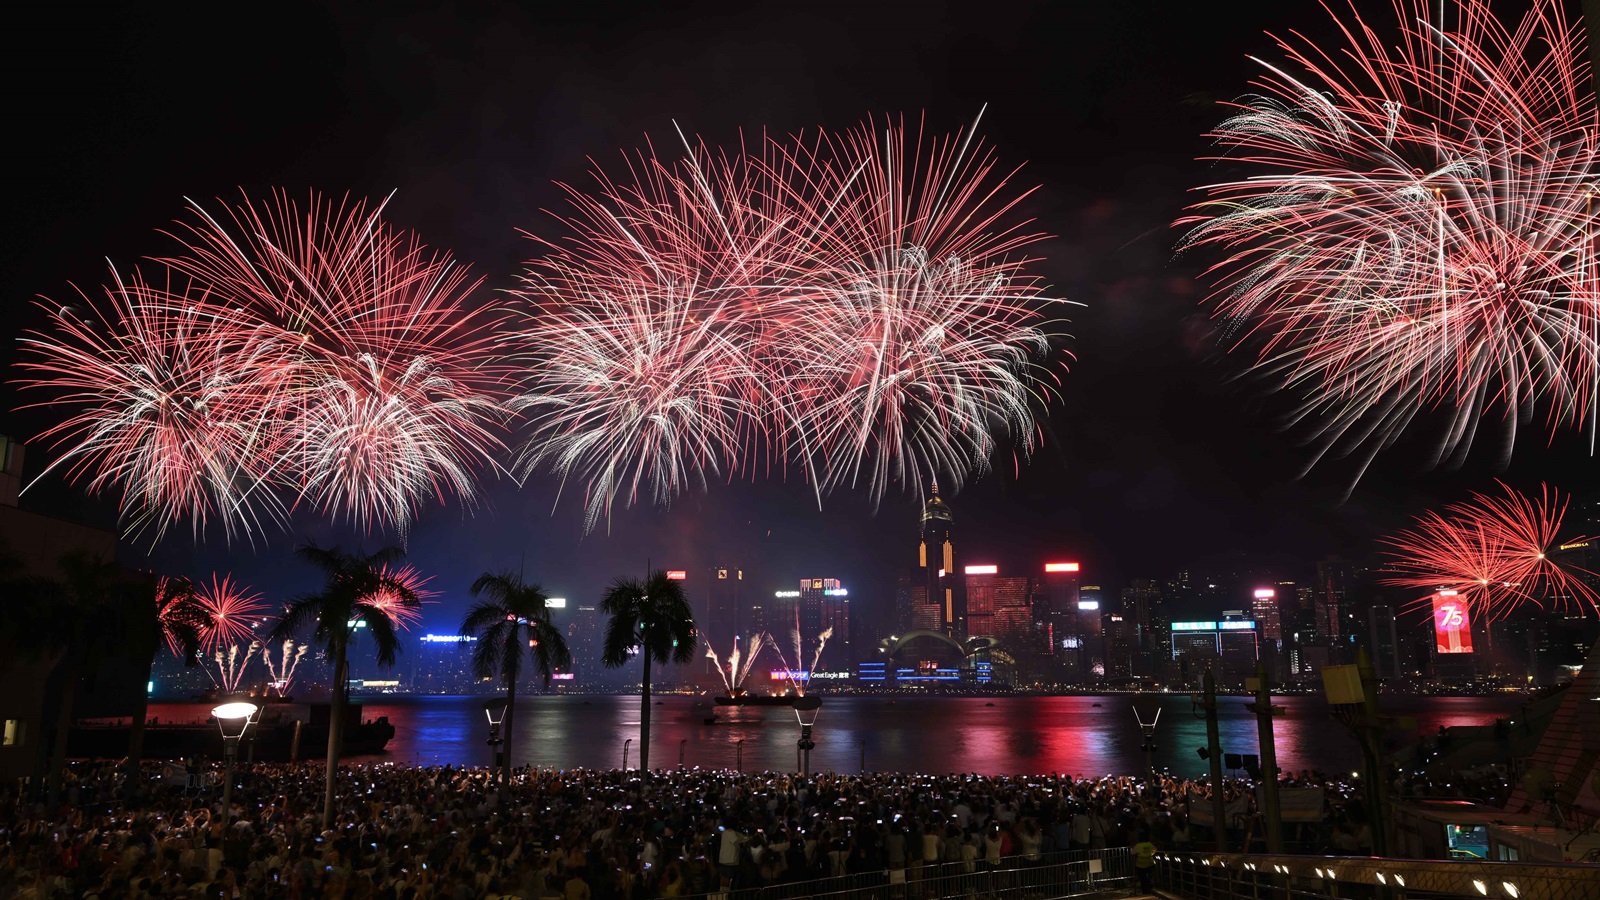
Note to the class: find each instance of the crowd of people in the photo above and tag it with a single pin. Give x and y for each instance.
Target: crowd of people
(447, 832)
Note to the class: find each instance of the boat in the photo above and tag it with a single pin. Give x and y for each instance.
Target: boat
(744, 699)
(286, 731)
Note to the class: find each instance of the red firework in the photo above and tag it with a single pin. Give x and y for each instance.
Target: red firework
(850, 304)
(230, 614)
(402, 613)
(1497, 552)
(170, 400)
(320, 356)
(1413, 235)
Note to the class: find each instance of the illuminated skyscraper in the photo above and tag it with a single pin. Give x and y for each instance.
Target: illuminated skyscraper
(723, 616)
(937, 562)
(1057, 606)
(999, 606)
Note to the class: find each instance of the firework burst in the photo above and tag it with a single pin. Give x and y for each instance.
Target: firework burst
(1498, 552)
(314, 356)
(401, 611)
(1415, 241)
(168, 398)
(230, 614)
(851, 305)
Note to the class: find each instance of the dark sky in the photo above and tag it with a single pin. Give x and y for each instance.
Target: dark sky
(1158, 455)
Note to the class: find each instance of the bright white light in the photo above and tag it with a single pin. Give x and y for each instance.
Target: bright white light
(238, 710)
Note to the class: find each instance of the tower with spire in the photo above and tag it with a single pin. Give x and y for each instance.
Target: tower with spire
(936, 559)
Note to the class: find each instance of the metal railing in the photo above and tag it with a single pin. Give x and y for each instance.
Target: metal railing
(1053, 876)
(1200, 876)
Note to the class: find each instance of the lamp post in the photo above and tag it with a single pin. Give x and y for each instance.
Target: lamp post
(1353, 700)
(625, 745)
(806, 710)
(233, 720)
(1148, 729)
(1271, 808)
(495, 711)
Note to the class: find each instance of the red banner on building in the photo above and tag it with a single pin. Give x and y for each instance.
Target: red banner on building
(1452, 628)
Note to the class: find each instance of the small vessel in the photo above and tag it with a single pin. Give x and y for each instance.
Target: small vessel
(746, 699)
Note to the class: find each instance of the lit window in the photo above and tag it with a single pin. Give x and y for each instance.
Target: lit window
(14, 732)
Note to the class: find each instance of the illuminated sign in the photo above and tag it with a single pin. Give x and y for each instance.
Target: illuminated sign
(1071, 643)
(1236, 626)
(829, 676)
(722, 574)
(1194, 626)
(1061, 567)
(941, 573)
(677, 575)
(563, 676)
(555, 603)
(981, 570)
(1264, 593)
(837, 592)
(447, 638)
(1087, 605)
(789, 675)
(816, 584)
(785, 593)
(1452, 628)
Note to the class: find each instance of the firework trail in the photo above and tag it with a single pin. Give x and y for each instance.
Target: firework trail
(282, 672)
(231, 613)
(313, 355)
(231, 666)
(851, 305)
(400, 610)
(711, 654)
(822, 641)
(1497, 552)
(757, 643)
(1414, 240)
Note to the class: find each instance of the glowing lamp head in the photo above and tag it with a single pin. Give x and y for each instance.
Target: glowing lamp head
(229, 712)
(233, 719)
(806, 710)
(495, 711)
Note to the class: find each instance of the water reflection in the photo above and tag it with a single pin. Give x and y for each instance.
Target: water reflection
(1020, 735)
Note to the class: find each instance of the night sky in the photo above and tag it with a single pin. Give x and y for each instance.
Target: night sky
(1159, 456)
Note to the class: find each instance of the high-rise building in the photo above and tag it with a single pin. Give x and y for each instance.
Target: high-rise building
(1122, 643)
(936, 560)
(999, 606)
(912, 609)
(1336, 578)
(822, 606)
(583, 641)
(1383, 641)
(443, 665)
(1057, 605)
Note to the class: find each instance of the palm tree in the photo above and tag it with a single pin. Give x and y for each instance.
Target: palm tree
(650, 617)
(166, 610)
(353, 582)
(512, 622)
(85, 623)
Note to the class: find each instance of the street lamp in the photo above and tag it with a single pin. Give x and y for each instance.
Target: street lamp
(495, 711)
(806, 710)
(233, 720)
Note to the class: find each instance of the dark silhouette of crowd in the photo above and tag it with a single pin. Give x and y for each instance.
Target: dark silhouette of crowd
(404, 832)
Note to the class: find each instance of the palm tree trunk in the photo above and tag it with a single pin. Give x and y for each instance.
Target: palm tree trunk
(58, 752)
(341, 671)
(644, 714)
(511, 714)
(141, 711)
